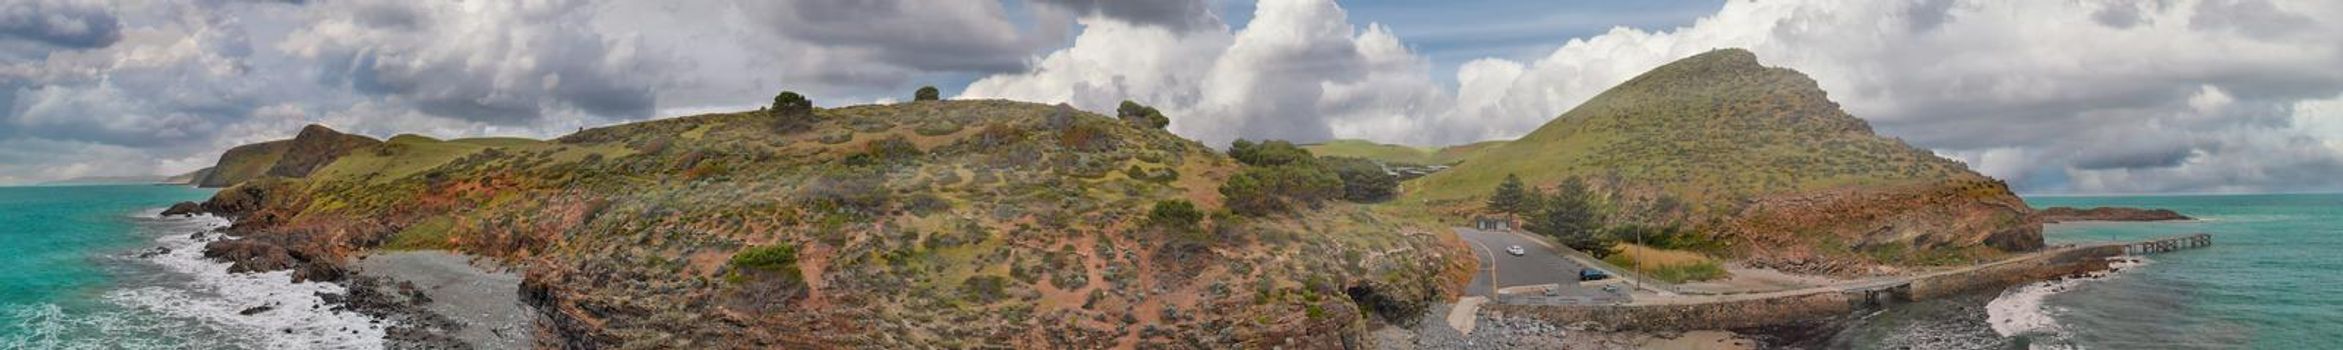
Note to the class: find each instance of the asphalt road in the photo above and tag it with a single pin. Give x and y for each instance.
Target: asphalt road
(1539, 266)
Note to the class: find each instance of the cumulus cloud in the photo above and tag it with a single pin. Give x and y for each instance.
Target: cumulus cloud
(1300, 70)
(166, 82)
(502, 62)
(2079, 96)
(2067, 96)
(1177, 15)
(65, 23)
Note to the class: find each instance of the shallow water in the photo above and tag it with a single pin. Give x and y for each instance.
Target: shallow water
(74, 278)
(2272, 280)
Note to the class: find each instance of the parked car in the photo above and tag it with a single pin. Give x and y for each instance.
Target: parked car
(1515, 250)
(1591, 275)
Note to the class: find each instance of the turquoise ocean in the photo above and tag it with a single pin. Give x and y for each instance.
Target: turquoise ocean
(2273, 279)
(96, 267)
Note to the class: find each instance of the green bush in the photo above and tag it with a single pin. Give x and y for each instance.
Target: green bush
(1175, 214)
(1268, 153)
(769, 258)
(791, 111)
(1259, 191)
(1363, 180)
(927, 93)
(1142, 115)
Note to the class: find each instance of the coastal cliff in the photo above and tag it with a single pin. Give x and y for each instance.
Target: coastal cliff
(1762, 164)
(960, 223)
(2066, 214)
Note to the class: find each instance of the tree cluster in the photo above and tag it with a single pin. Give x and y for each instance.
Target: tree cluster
(1138, 114)
(1279, 177)
(1363, 181)
(1566, 213)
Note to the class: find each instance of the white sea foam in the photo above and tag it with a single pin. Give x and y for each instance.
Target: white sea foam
(2020, 311)
(299, 318)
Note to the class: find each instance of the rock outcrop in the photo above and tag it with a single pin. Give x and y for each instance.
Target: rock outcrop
(2068, 214)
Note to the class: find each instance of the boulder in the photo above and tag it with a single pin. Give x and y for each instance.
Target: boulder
(184, 209)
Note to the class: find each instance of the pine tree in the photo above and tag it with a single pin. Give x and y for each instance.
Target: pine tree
(1511, 197)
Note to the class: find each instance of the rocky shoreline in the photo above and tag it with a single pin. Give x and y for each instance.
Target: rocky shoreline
(459, 305)
(2068, 214)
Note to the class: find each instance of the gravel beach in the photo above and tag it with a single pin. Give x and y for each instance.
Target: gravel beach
(483, 301)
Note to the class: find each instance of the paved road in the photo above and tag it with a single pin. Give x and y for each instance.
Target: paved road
(1540, 266)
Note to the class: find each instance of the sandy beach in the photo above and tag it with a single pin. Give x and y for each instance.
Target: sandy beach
(484, 300)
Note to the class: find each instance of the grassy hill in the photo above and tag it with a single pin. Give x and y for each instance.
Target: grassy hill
(1762, 160)
(1397, 153)
(314, 147)
(965, 224)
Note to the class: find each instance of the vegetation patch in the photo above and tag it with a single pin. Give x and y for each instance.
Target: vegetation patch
(1674, 266)
(429, 234)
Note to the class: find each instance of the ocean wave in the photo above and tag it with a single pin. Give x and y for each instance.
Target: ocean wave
(51, 326)
(2021, 312)
(298, 318)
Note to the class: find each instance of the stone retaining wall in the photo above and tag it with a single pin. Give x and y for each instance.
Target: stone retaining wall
(1773, 311)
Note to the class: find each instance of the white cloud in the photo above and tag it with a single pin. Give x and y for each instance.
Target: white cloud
(2087, 96)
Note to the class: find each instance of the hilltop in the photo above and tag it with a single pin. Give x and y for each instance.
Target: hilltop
(313, 147)
(1758, 161)
(961, 223)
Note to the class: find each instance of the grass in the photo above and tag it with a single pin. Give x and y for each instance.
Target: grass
(1673, 266)
(401, 157)
(1398, 153)
(431, 234)
(1708, 129)
(248, 162)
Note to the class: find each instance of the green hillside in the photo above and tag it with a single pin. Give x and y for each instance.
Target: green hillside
(243, 163)
(1397, 153)
(313, 148)
(972, 224)
(1724, 134)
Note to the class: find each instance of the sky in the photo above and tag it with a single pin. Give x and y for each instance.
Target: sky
(2057, 97)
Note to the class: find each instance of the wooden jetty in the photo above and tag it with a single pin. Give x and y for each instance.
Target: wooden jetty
(2161, 245)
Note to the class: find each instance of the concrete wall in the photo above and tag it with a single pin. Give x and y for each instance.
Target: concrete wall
(2066, 263)
(1771, 311)
(1722, 315)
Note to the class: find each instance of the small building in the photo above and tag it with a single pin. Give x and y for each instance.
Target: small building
(1494, 223)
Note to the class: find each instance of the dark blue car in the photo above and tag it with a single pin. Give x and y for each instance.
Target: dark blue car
(1591, 275)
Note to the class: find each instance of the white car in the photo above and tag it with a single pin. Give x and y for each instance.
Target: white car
(1515, 250)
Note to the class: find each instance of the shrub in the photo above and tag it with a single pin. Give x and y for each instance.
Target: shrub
(769, 258)
(927, 93)
(1268, 153)
(845, 190)
(1142, 115)
(937, 128)
(1363, 180)
(892, 149)
(1086, 138)
(1259, 191)
(791, 111)
(985, 289)
(1175, 214)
